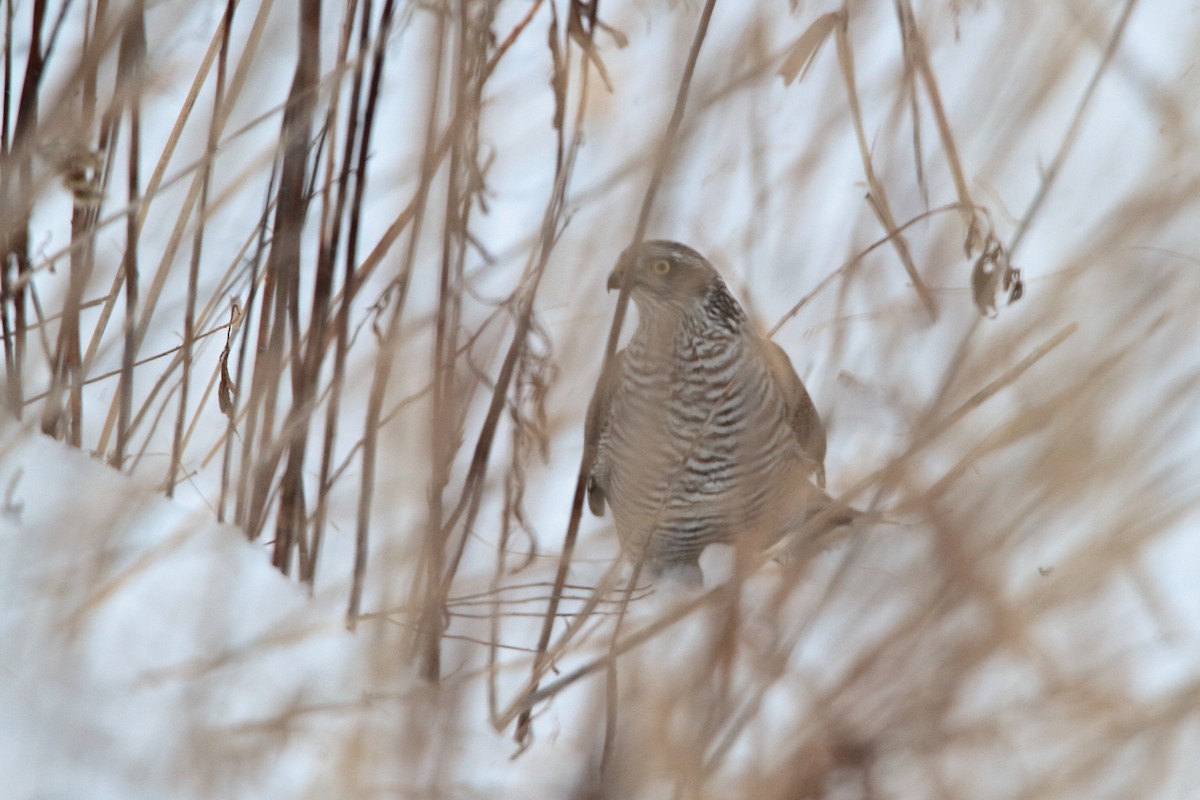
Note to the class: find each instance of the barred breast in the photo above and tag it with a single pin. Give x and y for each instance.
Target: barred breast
(706, 432)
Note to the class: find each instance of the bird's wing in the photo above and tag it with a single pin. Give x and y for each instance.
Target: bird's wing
(802, 414)
(597, 419)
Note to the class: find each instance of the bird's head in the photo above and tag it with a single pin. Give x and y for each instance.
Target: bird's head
(664, 275)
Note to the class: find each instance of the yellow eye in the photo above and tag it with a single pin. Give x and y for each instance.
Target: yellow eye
(660, 267)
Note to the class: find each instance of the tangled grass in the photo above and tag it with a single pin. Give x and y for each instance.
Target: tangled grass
(333, 272)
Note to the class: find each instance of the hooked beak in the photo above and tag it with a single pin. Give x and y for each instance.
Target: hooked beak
(617, 277)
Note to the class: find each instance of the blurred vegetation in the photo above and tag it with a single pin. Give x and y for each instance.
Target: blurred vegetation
(336, 272)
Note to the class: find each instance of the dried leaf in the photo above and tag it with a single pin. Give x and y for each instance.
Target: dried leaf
(584, 35)
(619, 38)
(594, 57)
(991, 273)
(226, 390)
(975, 233)
(800, 59)
(1014, 285)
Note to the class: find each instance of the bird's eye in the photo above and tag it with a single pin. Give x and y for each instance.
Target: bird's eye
(660, 267)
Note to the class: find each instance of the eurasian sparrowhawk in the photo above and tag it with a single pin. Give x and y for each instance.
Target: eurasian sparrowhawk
(699, 431)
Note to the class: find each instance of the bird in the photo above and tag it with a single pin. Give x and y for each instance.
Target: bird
(699, 431)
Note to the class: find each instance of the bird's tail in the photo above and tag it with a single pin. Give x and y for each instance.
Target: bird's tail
(823, 512)
(824, 521)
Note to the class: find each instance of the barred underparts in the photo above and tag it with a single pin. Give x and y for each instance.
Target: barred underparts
(699, 431)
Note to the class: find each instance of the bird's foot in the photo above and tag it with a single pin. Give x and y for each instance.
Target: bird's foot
(682, 573)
